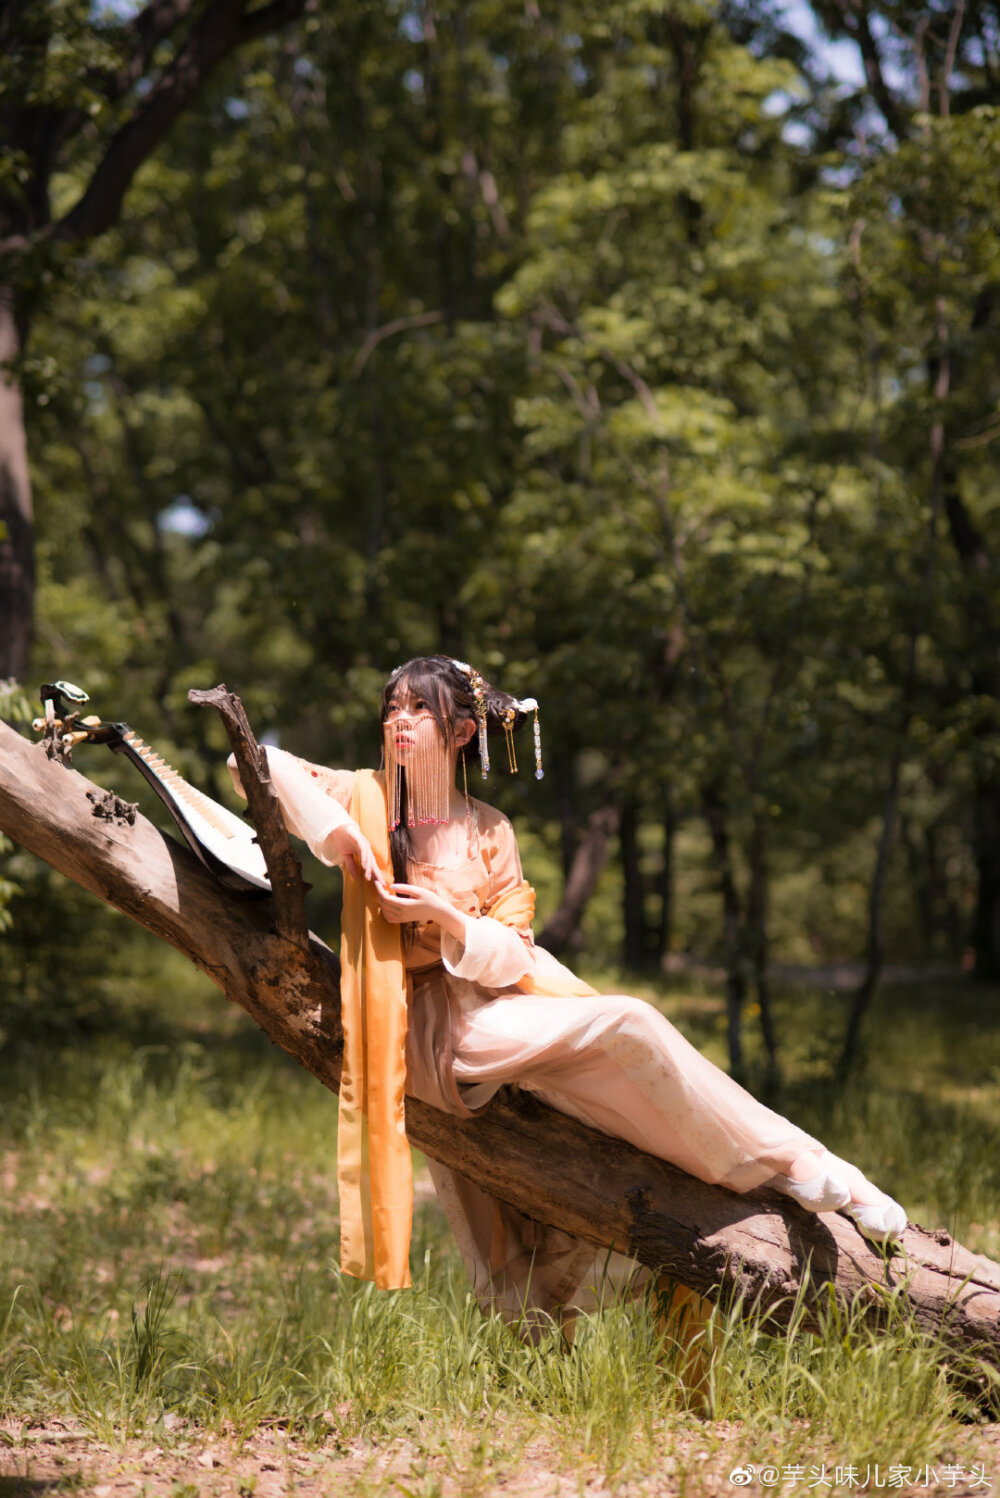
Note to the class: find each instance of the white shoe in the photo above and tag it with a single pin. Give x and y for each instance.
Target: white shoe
(824, 1192)
(881, 1222)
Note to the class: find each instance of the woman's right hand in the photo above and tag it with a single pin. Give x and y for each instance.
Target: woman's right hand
(349, 847)
(231, 766)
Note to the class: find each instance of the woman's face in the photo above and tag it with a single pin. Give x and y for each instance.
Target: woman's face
(410, 722)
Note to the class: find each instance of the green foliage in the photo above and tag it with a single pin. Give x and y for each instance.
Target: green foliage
(586, 348)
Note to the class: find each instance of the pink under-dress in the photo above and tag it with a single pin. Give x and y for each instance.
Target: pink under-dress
(610, 1060)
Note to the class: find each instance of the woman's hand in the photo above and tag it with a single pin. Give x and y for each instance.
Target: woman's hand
(352, 850)
(411, 902)
(233, 769)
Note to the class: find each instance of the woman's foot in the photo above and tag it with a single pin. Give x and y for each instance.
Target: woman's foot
(882, 1222)
(876, 1215)
(825, 1183)
(815, 1184)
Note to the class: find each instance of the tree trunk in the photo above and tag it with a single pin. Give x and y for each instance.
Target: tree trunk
(633, 892)
(875, 953)
(757, 923)
(17, 564)
(587, 867)
(732, 922)
(986, 921)
(562, 769)
(665, 883)
(540, 1162)
(978, 601)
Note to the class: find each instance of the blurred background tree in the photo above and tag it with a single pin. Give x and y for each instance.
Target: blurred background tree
(86, 96)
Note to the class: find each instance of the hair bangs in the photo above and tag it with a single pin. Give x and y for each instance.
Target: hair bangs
(423, 677)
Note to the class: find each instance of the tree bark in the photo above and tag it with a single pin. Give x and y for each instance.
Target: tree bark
(665, 883)
(756, 1246)
(986, 920)
(875, 945)
(288, 891)
(979, 609)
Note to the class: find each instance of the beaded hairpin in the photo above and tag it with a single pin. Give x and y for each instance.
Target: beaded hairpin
(508, 717)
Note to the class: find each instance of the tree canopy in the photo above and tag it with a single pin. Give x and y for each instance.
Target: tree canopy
(624, 349)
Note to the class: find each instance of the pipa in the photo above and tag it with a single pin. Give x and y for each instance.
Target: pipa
(221, 840)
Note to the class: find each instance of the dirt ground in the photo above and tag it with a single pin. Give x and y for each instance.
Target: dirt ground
(55, 1457)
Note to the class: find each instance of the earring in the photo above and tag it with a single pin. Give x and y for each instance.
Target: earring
(539, 772)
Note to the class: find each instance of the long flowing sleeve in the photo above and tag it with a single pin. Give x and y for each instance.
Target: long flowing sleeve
(493, 953)
(313, 799)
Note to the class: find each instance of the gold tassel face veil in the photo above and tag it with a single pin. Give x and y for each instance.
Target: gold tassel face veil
(416, 757)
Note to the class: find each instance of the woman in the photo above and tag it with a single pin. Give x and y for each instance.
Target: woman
(445, 993)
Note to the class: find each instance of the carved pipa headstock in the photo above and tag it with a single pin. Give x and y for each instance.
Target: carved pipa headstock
(222, 841)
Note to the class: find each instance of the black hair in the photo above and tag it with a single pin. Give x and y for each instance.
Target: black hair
(448, 692)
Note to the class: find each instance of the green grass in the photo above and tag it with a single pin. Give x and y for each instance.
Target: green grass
(168, 1233)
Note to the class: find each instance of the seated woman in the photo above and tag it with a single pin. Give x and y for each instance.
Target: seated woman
(444, 992)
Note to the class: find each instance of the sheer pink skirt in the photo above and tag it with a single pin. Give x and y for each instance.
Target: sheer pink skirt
(611, 1061)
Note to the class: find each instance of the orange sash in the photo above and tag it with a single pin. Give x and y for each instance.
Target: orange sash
(517, 908)
(373, 1157)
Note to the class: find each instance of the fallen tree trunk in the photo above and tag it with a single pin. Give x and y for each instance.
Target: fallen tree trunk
(540, 1162)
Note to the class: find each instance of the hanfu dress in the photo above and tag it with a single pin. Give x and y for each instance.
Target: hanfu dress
(483, 1013)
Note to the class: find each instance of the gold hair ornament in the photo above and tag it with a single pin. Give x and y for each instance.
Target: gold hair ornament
(508, 718)
(479, 694)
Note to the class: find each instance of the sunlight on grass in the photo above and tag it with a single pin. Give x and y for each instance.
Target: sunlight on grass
(169, 1226)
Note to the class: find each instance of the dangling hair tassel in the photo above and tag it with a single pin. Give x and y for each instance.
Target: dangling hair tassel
(426, 778)
(393, 776)
(484, 748)
(509, 719)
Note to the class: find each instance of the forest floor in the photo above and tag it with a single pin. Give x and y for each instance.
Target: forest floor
(54, 1457)
(171, 1323)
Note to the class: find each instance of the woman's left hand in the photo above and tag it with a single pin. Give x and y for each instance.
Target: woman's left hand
(410, 902)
